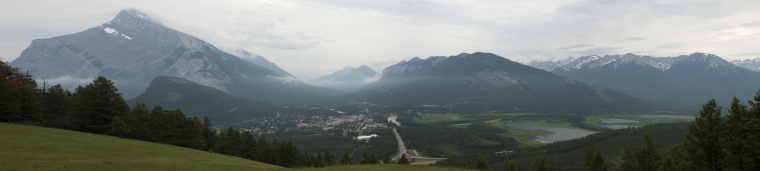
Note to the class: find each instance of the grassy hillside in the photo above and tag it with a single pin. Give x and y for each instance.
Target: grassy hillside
(381, 167)
(37, 148)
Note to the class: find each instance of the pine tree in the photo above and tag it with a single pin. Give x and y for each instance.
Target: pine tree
(482, 164)
(373, 159)
(648, 158)
(704, 143)
(737, 131)
(365, 158)
(97, 103)
(118, 127)
(541, 164)
(329, 158)
(387, 159)
(513, 168)
(593, 159)
(403, 160)
(56, 107)
(209, 134)
(346, 159)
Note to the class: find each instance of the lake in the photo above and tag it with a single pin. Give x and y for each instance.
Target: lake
(558, 134)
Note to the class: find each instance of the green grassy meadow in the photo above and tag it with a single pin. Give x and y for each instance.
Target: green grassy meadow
(36, 148)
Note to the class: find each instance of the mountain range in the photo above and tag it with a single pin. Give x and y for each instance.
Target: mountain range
(681, 83)
(348, 79)
(484, 81)
(159, 65)
(133, 49)
(750, 64)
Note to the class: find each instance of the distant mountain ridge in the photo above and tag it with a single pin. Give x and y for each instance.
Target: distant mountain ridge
(132, 49)
(682, 82)
(261, 61)
(750, 64)
(488, 82)
(348, 79)
(202, 101)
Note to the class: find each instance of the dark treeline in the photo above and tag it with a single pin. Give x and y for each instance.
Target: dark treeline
(99, 108)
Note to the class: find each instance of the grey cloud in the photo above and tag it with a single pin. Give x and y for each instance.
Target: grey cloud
(672, 46)
(575, 46)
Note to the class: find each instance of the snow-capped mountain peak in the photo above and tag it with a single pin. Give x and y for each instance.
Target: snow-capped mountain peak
(133, 15)
(751, 64)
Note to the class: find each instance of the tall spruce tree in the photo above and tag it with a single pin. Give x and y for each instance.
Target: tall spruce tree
(737, 132)
(403, 160)
(482, 164)
(593, 159)
(346, 159)
(704, 143)
(97, 103)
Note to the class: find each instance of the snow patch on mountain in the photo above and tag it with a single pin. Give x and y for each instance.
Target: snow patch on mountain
(113, 31)
(751, 64)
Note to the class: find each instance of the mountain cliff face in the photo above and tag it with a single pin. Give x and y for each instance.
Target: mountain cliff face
(491, 82)
(132, 49)
(682, 82)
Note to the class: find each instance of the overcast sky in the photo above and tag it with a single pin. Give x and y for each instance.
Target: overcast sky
(313, 38)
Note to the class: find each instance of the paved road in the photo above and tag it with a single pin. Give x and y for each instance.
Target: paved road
(402, 150)
(401, 147)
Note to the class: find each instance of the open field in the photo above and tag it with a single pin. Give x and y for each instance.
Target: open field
(633, 120)
(37, 148)
(381, 167)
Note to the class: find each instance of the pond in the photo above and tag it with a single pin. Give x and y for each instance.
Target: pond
(557, 134)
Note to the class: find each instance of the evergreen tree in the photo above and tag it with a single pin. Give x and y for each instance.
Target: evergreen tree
(209, 134)
(403, 160)
(482, 164)
(513, 168)
(118, 127)
(329, 158)
(56, 107)
(704, 143)
(642, 159)
(542, 164)
(373, 159)
(140, 123)
(593, 159)
(387, 159)
(18, 102)
(346, 159)
(738, 130)
(674, 159)
(30, 110)
(97, 103)
(365, 158)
